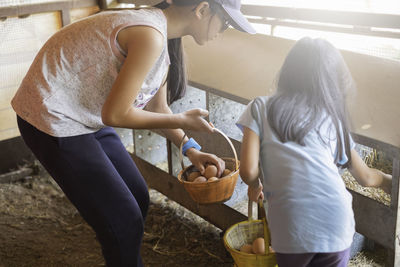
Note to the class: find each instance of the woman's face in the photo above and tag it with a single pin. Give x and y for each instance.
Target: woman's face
(210, 24)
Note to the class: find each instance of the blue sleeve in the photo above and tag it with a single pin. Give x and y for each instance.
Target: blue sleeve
(344, 157)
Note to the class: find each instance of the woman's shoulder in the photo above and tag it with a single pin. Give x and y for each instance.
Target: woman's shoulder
(153, 15)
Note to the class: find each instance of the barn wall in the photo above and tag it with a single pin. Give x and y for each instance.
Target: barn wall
(251, 63)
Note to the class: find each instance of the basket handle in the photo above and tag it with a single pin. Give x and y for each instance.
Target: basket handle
(267, 234)
(221, 133)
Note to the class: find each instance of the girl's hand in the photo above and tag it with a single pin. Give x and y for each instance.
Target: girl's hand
(200, 159)
(255, 192)
(193, 120)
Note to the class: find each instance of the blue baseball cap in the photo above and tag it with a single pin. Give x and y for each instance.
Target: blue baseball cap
(238, 21)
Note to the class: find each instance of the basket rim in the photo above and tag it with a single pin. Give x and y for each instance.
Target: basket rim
(233, 250)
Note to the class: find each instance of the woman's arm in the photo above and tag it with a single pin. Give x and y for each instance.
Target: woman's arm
(249, 159)
(159, 104)
(144, 46)
(367, 176)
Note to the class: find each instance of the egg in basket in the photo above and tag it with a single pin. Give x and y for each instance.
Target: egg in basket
(209, 188)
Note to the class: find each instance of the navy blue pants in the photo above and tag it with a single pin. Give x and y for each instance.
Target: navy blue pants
(336, 259)
(100, 178)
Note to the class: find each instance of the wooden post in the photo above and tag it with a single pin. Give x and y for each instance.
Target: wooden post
(102, 4)
(395, 258)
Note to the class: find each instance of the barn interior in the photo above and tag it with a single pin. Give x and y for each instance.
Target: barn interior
(40, 227)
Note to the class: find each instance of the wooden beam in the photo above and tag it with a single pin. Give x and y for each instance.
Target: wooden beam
(102, 4)
(27, 9)
(328, 27)
(325, 16)
(374, 219)
(396, 241)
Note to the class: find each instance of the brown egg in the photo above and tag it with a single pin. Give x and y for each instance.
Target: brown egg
(226, 172)
(259, 246)
(192, 176)
(211, 171)
(212, 179)
(200, 179)
(246, 248)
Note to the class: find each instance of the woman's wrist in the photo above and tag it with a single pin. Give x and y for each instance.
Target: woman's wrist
(255, 183)
(190, 145)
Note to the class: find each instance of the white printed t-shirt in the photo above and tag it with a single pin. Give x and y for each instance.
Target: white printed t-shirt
(309, 208)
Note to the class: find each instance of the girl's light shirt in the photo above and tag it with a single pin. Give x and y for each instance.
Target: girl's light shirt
(70, 78)
(309, 207)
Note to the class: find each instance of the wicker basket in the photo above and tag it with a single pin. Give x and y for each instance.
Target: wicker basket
(216, 191)
(244, 233)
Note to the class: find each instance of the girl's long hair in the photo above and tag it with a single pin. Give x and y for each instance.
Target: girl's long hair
(177, 77)
(312, 86)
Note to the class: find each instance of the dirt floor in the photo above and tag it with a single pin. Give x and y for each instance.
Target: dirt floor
(40, 227)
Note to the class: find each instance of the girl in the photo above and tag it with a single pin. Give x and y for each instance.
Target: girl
(300, 136)
(118, 68)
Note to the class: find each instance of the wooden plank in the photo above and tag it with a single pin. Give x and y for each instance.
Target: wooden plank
(79, 13)
(374, 220)
(325, 16)
(220, 215)
(7, 119)
(396, 176)
(220, 93)
(325, 27)
(390, 150)
(102, 4)
(27, 9)
(9, 133)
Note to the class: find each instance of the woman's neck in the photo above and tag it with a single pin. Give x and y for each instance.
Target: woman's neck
(177, 21)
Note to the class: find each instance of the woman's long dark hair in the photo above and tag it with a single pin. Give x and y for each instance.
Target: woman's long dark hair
(312, 86)
(177, 77)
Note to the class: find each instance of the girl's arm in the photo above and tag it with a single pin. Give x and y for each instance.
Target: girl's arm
(144, 46)
(249, 158)
(199, 159)
(367, 176)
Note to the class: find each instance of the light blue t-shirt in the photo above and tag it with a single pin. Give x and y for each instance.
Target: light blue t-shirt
(309, 207)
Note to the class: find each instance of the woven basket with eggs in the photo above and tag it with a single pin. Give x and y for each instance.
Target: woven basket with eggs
(249, 242)
(209, 189)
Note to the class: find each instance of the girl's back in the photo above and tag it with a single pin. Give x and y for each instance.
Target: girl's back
(309, 208)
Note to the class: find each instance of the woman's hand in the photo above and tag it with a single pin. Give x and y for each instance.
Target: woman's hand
(193, 120)
(200, 159)
(255, 192)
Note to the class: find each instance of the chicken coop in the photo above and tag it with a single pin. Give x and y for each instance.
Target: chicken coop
(223, 77)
